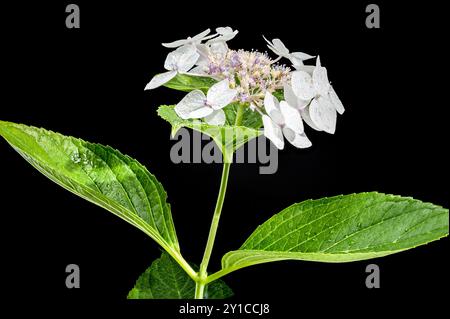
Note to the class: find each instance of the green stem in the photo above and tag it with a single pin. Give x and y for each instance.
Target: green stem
(216, 218)
(212, 232)
(199, 290)
(203, 274)
(239, 115)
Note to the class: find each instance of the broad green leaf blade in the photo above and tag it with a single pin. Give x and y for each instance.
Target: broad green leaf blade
(228, 138)
(342, 229)
(164, 279)
(187, 83)
(100, 175)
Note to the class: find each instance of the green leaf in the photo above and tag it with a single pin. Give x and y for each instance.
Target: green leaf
(164, 279)
(99, 174)
(187, 83)
(228, 137)
(249, 118)
(342, 229)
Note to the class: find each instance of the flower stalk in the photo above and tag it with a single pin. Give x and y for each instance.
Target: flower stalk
(202, 278)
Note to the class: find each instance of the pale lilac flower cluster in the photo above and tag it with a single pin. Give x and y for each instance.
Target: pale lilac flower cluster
(251, 73)
(253, 79)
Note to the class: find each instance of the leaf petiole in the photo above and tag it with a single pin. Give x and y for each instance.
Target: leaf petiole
(183, 264)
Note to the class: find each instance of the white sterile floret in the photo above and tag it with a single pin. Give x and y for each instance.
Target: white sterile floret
(283, 120)
(225, 34)
(280, 49)
(216, 51)
(179, 61)
(196, 105)
(321, 112)
(194, 40)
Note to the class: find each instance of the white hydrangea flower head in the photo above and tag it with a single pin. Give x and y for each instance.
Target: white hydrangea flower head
(252, 79)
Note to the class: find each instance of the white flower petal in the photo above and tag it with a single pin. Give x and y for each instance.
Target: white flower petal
(320, 79)
(199, 37)
(268, 42)
(292, 118)
(302, 85)
(306, 68)
(199, 70)
(301, 56)
(297, 59)
(225, 34)
(193, 106)
(336, 101)
(292, 99)
(217, 117)
(272, 108)
(175, 44)
(224, 30)
(181, 59)
(203, 50)
(281, 48)
(207, 38)
(274, 49)
(289, 95)
(204, 55)
(299, 140)
(172, 59)
(201, 112)
(187, 62)
(219, 49)
(307, 118)
(296, 139)
(160, 79)
(296, 63)
(318, 64)
(220, 95)
(270, 102)
(187, 59)
(323, 114)
(273, 132)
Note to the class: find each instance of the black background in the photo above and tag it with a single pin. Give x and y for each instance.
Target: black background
(89, 83)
